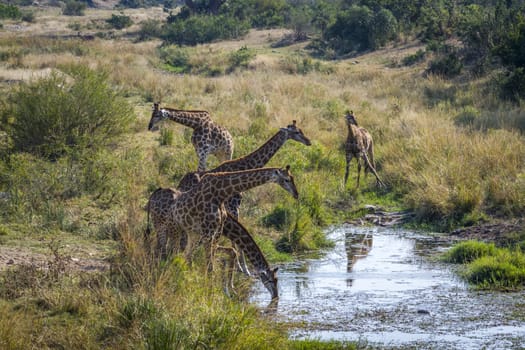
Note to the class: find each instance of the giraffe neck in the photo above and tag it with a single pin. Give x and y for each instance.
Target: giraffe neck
(237, 233)
(352, 132)
(192, 119)
(259, 157)
(224, 185)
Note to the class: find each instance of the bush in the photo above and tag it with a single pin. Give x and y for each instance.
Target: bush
(447, 65)
(203, 29)
(513, 85)
(150, 29)
(9, 11)
(119, 21)
(241, 58)
(414, 58)
(467, 116)
(58, 114)
(74, 8)
(177, 58)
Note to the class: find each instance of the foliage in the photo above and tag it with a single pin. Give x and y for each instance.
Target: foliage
(149, 29)
(9, 11)
(437, 19)
(74, 8)
(57, 114)
(119, 21)
(414, 58)
(202, 29)
(241, 58)
(147, 3)
(446, 65)
(359, 28)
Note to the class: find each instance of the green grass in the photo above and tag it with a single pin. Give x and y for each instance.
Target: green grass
(467, 252)
(489, 267)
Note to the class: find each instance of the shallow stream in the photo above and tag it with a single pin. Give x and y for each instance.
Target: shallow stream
(381, 287)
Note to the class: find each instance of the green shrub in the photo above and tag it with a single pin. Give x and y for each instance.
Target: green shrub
(417, 57)
(279, 218)
(466, 252)
(513, 84)
(446, 65)
(240, 58)
(74, 8)
(467, 116)
(56, 114)
(119, 21)
(177, 58)
(203, 29)
(9, 11)
(150, 28)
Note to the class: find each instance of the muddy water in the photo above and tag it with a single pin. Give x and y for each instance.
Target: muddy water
(380, 287)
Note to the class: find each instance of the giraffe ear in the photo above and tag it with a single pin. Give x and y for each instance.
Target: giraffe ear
(288, 167)
(155, 106)
(275, 270)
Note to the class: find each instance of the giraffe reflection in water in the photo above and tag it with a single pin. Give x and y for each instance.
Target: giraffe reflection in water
(357, 246)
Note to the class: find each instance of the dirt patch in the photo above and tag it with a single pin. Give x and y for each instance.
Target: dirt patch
(16, 256)
(497, 232)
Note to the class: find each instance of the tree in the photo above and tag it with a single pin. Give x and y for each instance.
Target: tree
(204, 6)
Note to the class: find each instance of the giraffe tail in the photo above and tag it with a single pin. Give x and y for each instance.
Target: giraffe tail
(370, 158)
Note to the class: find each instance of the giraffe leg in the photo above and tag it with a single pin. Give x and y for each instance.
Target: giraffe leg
(358, 171)
(229, 266)
(347, 168)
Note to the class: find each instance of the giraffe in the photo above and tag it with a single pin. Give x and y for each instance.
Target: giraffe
(200, 212)
(359, 144)
(257, 159)
(241, 238)
(208, 137)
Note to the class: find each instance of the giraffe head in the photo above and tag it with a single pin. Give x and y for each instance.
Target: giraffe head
(296, 134)
(156, 116)
(350, 118)
(285, 180)
(269, 279)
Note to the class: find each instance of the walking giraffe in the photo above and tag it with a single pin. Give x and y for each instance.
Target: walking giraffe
(208, 137)
(200, 212)
(359, 144)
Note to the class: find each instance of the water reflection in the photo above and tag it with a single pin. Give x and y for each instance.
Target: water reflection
(357, 246)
